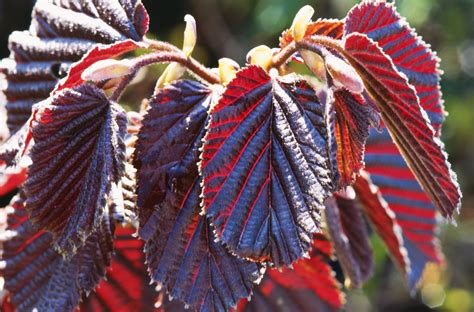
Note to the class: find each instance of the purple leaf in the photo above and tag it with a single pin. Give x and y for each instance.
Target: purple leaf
(61, 32)
(384, 222)
(351, 240)
(36, 276)
(181, 251)
(265, 167)
(310, 286)
(78, 153)
(127, 284)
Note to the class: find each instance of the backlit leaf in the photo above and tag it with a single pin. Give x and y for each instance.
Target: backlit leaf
(407, 122)
(410, 54)
(310, 286)
(351, 130)
(127, 285)
(78, 153)
(265, 167)
(384, 221)
(411, 206)
(351, 240)
(414, 212)
(182, 254)
(36, 276)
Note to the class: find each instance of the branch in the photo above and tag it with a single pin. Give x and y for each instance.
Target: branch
(164, 57)
(313, 43)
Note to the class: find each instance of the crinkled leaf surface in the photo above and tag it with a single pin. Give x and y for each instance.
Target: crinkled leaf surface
(181, 251)
(384, 221)
(61, 32)
(351, 129)
(78, 153)
(127, 285)
(351, 240)
(407, 122)
(401, 193)
(37, 276)
(310, 286)
(265, 167)
(170, 129)
(410, 54)
(414, 212)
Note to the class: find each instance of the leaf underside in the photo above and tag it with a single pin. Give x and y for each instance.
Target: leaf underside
(384, 222)
(265, 167)
(181, 251)
(409, 53)
(37, 276)
(412, 208)
(309, 286)
(407, 122)
(61, 32)
(127, 285)
(351, 128)
(350, 238)
(79, 152)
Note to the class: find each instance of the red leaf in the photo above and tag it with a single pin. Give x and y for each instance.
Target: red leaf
(351, 240)
(38, 277)
(310, 286)
(401, 192)
(323, 27)
(383, 219)
(351, 130)
(410, 54)
(78, 153)
(182, 254)
(407, 121)
(98, 53)
(127, 285)
(412, 208)
(264, 166)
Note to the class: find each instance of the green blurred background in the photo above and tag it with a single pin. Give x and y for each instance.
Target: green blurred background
(231, 28)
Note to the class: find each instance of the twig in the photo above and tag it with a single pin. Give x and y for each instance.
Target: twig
(283, 55)
(164, 57)
(313, 43)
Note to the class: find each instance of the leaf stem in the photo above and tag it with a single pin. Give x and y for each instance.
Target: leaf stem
(164, 56)
(283, 55)
(313, 43)
(190, 63)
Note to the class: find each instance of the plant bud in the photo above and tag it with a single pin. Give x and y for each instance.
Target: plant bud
(107, 69)
(261, 56)
(301, 21)
(173, 72)
(227, 69)
(190, 35)
(343, 74)
(315, 63)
